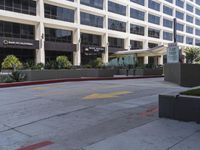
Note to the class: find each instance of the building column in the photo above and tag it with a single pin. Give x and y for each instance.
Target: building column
(160, 60)
(105, 55)
(146, 59)
(77, 53)
(40, 53)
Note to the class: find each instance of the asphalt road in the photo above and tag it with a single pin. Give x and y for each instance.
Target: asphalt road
(78, 115)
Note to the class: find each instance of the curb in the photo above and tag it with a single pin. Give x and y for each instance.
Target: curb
(29, 83)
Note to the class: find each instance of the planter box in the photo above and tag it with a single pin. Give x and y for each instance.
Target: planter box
(187, 75)
(35, 75)
(141, 72)
(179, 107)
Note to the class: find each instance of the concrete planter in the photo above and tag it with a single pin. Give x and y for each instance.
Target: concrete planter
(141, 72)
(187, 75)
(180, 107)
(35, 75)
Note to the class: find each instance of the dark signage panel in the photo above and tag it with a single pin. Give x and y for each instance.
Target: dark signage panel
(18, 43)
(93, 50)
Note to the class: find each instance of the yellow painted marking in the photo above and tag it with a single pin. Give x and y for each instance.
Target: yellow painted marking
(52, 93)
(105, 95)
(39, 88)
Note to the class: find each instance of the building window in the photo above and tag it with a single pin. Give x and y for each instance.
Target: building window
(152, 45)
(58, 35)
(180, 3)
(117, 8)
(136, 14)
(189, 40)
(116, 25)
(180, 38)
(197, 32)
(167, 36)
(197, 21)
(197, 11)
(179, 15)
(20, 6)
(135, 29)
(91, 20)
(179, 26)
(16, 30)
(189, 7)
(136, 44)
(154, 19)
(116, 42)
(59, 13)
(198, 2)
(197, 42)
(167, 10)
(93, 3)
(140, 2)
(189, 19)
(167, 23)
(189, 29)
(90, 39)
(154, 33)
(170, 1)
(154, 5)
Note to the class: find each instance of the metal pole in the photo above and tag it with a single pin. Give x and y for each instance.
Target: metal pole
(174, 29)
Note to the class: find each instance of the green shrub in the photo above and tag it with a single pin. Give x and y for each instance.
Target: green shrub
(98, 63)
(11, 62)
(17, 76)
(51, 65)
(192, 55)
(29, 64)
(39, 66)
(63, 62)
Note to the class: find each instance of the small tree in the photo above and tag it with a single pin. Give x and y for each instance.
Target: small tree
(63, 62)
(11, 62)
(192, 54)
(98, 63)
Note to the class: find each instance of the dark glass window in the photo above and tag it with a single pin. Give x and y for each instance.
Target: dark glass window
(197, 11)
(135, 29)
(90, 39)
(179, 15)
(136, 44)
(180, 38)
(91, 20)
(15, 30)
(116, 8)
(93, 3)
(137, 14)
(197, 21)
(59, 13)
(20, 6)
(189, 19)
(116, 42)
(170, 1)
(116, 25)
(197, 42)
(197, 32)
(167, 10)
(154, 33)
(167, 23)
(198, 2)
(167, 36)
(189, 29)
(141, 2)
(152, 45)
(189, 40)
(189, 7)
(179, 27)
(154, 19)
(58, 35)
(154, 5)
(180, 3)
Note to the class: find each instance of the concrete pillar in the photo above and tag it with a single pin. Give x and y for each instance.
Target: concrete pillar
(160, 60)
(39, 34)
(105, 56)
(40, 53)
(77, 53)
(146, 59)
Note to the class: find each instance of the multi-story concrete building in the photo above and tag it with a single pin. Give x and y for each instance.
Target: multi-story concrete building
(85, 29)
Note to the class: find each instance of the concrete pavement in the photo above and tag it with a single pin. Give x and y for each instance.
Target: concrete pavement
(118, 115)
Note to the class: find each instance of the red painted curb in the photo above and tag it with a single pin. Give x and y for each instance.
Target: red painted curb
(36, 146)
(28, 83)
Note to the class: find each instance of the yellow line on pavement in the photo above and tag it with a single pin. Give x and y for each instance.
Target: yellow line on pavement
(105, 95)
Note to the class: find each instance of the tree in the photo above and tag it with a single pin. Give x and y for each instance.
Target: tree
(192, 55)
(11, 62)
(63, 62)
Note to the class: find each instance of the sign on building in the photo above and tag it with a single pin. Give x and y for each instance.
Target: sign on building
(173, 53)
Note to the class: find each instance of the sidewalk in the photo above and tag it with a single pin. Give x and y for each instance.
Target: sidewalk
(162, 134)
